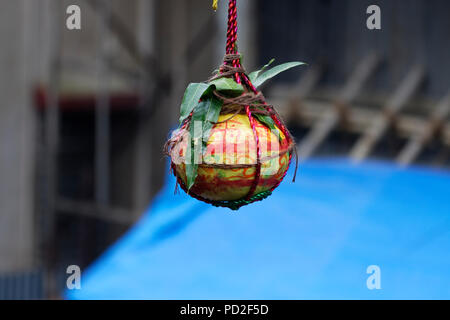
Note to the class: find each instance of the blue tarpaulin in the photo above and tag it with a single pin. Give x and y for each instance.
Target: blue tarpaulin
(312, 239)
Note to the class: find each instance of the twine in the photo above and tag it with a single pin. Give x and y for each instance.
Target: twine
(228, 69)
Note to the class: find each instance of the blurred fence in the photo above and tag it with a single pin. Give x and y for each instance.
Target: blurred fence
(22, 286)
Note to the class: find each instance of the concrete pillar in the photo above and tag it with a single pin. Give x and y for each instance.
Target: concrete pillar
(18, 29)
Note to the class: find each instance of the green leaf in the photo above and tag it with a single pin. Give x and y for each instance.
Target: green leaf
(227, 85)
(212, 116)
(268, 122)
(203, 118)
(260, 78)
(255, 74)
(191, 174)
(268, 64)
(191, 163)
(192, 95)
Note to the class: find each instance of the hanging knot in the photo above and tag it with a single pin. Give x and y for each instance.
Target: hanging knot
(245, 99)
(231, 57)
(227, 69)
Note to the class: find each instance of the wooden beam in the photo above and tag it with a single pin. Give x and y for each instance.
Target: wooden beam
(359, 118)
(331, 118)
(380, 124)
(89, 209)
(301, 89)
(418, 141)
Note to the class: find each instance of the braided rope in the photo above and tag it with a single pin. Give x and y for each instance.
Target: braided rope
(231, 48)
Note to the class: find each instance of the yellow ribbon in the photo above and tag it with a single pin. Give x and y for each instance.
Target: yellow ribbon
(214, 6)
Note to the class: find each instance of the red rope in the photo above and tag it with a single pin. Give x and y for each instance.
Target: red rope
(258, 154)
(231, 48)
(232, 36)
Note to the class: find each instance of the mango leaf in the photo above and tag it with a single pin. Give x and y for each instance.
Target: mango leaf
(262, 77)
(192, 152)
(268, 122)
(203, 118)
(192, 95)
(255, 74)
(228, 86)
(191, 174)
(214, 106)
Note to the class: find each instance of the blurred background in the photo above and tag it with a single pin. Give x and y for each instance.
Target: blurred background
(84, 113)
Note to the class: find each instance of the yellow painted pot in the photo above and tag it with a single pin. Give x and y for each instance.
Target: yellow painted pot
(228, 167)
